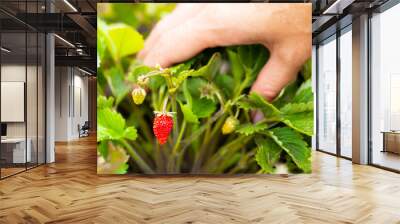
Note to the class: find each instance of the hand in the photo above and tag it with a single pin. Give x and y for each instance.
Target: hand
(285, 29)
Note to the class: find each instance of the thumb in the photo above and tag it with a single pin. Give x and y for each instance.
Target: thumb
(274, 76)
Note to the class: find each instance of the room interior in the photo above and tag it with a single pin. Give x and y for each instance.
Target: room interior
(22, 101)
(29, 59)
(46, 83)
(333, 46)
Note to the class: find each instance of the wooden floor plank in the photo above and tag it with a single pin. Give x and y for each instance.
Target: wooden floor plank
(70, 191)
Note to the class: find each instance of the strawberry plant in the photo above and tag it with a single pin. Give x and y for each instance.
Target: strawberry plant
(195, 117)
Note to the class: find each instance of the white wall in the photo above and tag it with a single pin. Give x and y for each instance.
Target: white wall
(61, 103)
(12, 73)
(70, 84)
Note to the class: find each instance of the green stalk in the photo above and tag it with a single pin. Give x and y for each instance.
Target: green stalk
(158, 158)
(145, 128)
(176, 147)
(174, 109)
(141, 163)
(147, 157)
(197, 133)
(200, 155)
(231, 147)
(178, 141)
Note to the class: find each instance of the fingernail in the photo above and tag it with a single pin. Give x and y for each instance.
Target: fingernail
(257, 116)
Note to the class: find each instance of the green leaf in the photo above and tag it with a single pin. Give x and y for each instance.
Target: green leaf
(115, 78)
(246, 56)
(286, 95)
(111, 126)
(299, 116)
(255, 101)
(246, 63)
(188, 114)
(203, 107)
(301, 122)
(304, 94)
(291, 166)
(115, 162)
(101, 39)
(122, 169)
(253, 58)
(101, 82)
(126, 13)
(130, 133)
(187, 95)
(261, 55)
(176, 69)
(225, 83)
(250, 128)
(294, 145)
(123, 40)
(210, 70)
(156, 82)
(195, 84)
(104, 102)
(102, 148)
(235, 66)
(137, 71)
(292, 108)
(268, 153)
(207, 71)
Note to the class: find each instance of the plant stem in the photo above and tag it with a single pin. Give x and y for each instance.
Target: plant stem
(158, 158)
(198, 132)
(145, 153)
(140, 162)
(231, 147)
(144, 127)
(217, 126)
(174, 109)
(200, 155)
(176, 147)
(178, 141)
(152, 73)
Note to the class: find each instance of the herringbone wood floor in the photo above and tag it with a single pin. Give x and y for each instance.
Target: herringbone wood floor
(69, 191)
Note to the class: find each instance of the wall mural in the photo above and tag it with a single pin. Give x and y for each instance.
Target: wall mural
(194, 88)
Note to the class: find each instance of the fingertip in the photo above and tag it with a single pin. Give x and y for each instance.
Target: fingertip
(156, 59)
(264, 90)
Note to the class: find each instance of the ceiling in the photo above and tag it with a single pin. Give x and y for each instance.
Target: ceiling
(74, 22)
(332, 15)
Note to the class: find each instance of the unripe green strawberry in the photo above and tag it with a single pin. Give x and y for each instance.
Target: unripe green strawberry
(230, 125)
(138, 95)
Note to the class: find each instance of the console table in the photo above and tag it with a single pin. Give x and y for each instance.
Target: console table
(391, 141)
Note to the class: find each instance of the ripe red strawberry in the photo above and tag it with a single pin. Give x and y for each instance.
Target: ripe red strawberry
(162, 126)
